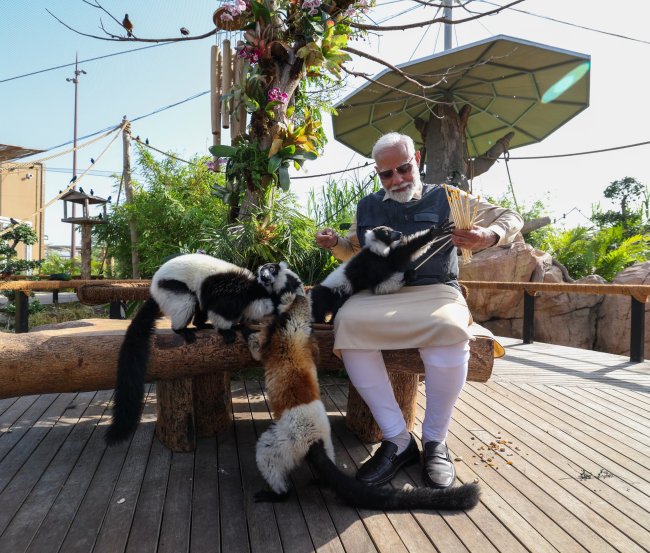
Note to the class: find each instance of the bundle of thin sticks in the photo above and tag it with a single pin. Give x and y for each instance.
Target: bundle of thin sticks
(464, 217)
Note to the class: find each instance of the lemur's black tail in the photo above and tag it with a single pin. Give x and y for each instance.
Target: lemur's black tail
(357, 494)
(131, 370)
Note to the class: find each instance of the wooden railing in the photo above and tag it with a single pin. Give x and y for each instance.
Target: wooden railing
(116, 291)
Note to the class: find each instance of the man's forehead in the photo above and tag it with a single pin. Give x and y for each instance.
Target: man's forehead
(398, 151)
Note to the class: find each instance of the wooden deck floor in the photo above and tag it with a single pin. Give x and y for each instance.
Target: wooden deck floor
(565, 431)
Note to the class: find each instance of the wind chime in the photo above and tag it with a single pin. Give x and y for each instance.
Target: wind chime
(226, 73)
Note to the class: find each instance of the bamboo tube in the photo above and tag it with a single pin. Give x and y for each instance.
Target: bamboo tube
(226, 82)
(215, 91)
(235, 123)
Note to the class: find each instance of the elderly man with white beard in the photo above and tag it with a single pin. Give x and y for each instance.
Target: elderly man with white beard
(429, 313)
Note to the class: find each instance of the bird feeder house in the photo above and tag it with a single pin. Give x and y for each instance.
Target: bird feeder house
(86, 221)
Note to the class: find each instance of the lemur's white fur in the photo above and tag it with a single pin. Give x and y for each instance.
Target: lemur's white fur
(193, 269)
(284, 445)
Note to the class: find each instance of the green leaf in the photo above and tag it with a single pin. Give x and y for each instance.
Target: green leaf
(283, 174)
(222, 150)
(304, 156)
(288, 151)
(260, 10)
(274, 163)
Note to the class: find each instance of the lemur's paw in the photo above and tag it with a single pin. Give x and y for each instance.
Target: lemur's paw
(228, 334)
(254, 346)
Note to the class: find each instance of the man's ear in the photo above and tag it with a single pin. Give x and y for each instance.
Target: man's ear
(417, 157)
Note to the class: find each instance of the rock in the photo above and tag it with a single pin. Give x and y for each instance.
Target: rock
(614, 314)
(519, 262)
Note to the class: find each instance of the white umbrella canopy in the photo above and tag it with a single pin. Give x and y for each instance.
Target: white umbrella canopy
(511, 84)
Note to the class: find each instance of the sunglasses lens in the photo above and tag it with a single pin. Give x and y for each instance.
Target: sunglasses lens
(404, 169)
(385, 174)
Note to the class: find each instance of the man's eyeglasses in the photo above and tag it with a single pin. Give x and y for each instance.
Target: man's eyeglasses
(403, 169)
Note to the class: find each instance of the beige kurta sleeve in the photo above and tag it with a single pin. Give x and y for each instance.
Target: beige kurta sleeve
(505, 222)
(347, 246)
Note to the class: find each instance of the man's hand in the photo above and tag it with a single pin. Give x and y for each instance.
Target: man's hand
(327, 238)
(476, 238)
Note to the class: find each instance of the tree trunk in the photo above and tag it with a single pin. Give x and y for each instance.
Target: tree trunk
(445, 146)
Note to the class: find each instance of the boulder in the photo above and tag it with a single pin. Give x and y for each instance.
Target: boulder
(563, 319)
(613, 334)
(518, 262)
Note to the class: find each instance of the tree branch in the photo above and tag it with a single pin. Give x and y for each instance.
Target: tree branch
(116, 38)
(366, 27)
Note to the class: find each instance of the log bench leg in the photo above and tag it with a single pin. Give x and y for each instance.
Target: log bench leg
(359, 419)
(192, 407)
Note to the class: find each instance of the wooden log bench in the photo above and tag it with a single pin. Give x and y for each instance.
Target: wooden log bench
(192, 382)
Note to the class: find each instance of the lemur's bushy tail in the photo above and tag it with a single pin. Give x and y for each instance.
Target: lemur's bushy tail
(357, 494)
(131, 370)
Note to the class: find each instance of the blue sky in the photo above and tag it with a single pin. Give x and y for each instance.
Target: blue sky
(37, 110)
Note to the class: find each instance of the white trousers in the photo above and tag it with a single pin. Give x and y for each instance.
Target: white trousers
(445, 372)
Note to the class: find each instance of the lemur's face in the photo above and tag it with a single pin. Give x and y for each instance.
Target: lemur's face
(382, 239)
(268, 273)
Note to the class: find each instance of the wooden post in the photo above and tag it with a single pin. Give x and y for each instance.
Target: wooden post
(189, 408)
(21, 318)
(128, 192)
(86, 233)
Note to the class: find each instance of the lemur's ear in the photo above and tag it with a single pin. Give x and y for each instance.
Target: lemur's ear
(283, 265)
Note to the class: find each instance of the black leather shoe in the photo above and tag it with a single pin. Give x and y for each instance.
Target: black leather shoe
(438, 471)
(385, 463)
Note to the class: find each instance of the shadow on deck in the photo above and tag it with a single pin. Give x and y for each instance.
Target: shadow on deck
(558, 439)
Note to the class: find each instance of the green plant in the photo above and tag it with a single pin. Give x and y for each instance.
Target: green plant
(172, 207)
(9, 240)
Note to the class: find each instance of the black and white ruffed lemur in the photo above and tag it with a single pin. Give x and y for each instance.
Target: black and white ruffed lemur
(381, 266)
(189, 287)
(301, 428)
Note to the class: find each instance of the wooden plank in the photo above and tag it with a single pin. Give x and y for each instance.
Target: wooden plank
(52, 531)
(36, 506)
(29, 473)
(205, 536)
(604, 454)
(275, 531)
(85, 528)
(579, 458)
(5, 404)
(638, 401)
(113, 534)
(147, 519)
(177, 514)
(234, 524)
(616, 416)
(565, 406)
(543, 465)
(627, 408)
(20, 419)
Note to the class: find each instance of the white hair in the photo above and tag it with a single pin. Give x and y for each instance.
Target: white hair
(392, 139)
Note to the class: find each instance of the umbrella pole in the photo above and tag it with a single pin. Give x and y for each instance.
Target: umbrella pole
(448, 15)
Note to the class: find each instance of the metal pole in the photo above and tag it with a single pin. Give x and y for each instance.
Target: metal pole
(637, 331)
(448, 15)
(75, 81)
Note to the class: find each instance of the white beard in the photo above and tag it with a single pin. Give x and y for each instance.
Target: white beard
(404, 196)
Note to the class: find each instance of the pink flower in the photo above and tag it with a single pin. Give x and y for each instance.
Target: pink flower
(275, 95)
